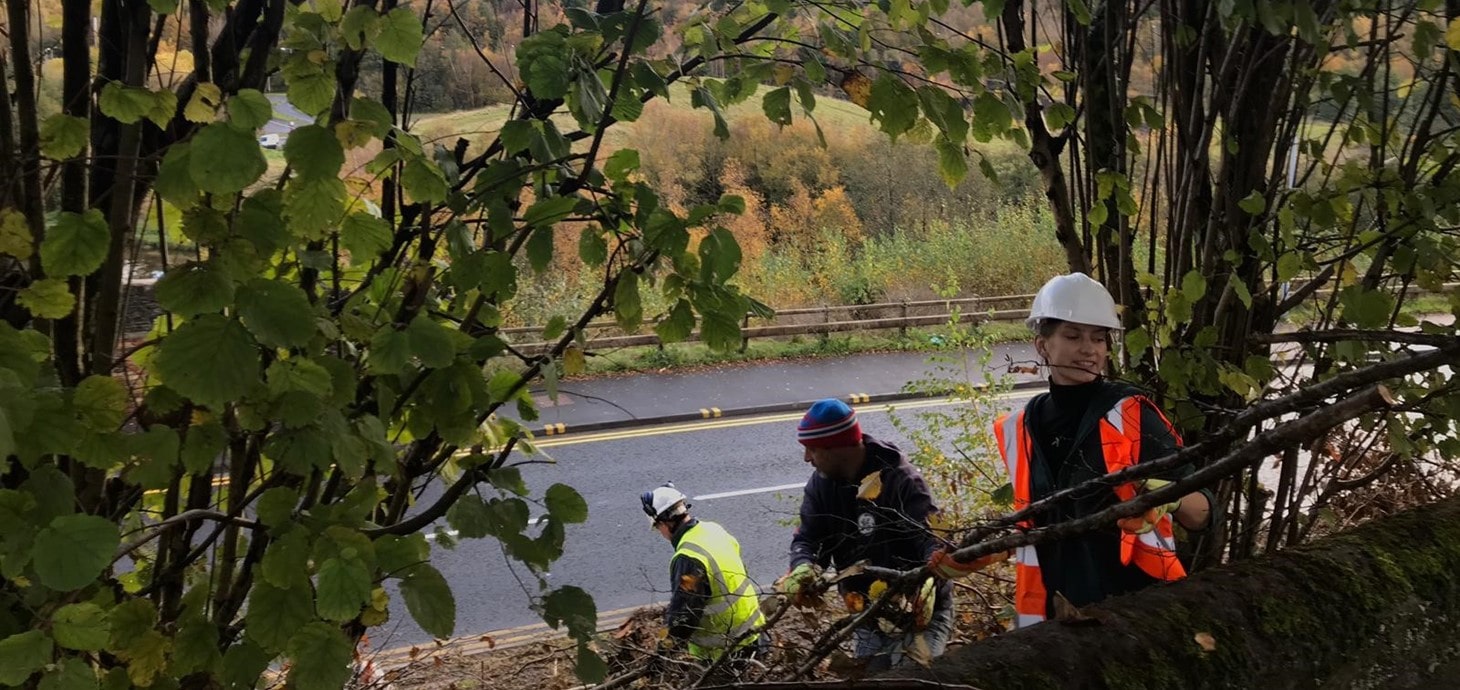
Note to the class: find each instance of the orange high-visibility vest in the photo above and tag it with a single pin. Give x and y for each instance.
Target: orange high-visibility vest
(1120, 436)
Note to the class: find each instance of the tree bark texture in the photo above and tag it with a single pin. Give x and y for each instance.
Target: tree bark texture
(1377, 606)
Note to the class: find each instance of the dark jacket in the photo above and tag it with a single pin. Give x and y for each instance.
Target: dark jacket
(1066, 452)
(890, 531)
(691, 583)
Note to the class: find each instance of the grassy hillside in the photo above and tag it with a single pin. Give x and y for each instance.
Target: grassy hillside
(481, 125)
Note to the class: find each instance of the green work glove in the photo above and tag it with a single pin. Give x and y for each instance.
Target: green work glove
(1147, 521)
(798, 583)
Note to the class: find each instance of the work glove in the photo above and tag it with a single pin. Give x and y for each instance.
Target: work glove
(924, 602)
(1145, 522)
(943, 565)
(799, 585)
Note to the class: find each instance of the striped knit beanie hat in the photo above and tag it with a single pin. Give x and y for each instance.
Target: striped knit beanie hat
(830, 423)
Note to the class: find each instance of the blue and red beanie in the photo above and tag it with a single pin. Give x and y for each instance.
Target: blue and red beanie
(830, 423)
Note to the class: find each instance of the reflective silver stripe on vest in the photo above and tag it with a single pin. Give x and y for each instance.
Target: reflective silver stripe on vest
(726, 598)
(710, 638)
(1155, 540)
(1011, 446)
(1025, 620)
(1117, 419)
(1027, 555)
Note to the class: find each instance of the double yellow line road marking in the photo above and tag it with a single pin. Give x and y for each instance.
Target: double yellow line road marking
(734, 422)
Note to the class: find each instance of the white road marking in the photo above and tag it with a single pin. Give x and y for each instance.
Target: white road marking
(747, 492)
(453, 533)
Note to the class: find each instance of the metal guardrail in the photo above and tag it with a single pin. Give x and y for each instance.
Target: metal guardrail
(872, 317)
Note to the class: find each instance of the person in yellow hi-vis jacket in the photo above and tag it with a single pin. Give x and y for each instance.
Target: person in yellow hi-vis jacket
(1085, 427)
(714, 606)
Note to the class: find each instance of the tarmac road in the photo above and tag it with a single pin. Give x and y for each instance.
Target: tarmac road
(743, 472)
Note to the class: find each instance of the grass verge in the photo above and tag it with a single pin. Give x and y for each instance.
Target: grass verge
(691, 355)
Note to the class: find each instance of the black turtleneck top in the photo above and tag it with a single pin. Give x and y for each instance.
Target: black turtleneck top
(1064, 427)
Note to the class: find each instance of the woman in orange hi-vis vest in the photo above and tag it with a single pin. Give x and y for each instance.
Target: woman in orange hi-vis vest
(1086, 426)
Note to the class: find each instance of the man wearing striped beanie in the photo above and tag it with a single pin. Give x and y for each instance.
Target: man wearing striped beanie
(866, 502)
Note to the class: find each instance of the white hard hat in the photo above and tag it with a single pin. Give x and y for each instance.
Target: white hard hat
(1076, 298)
(664, 502)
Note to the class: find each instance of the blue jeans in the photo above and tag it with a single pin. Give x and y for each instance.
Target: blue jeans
(883, 650)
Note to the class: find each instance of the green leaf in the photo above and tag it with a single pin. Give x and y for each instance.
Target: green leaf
(390, 351)
(565, 504)
(542, 62)
(678, 324)
(945, 112)
(243, 664)
(129, 104)
(777, 105)
(1366, 308)
(101, 402)
(620, 164)
(400, 37)
(540, 248)
(1194, 284)
(952, 164)
(194, 288)
(470, 518)
(278, 313)
(204, 443)
(299, 374)
(395, 555)
(314, 151)
(321, 657)
(73, 550)
(1059, 116)
(423, 181)
(627, 309)
(286, 560)
(64, 136)
(83, 627)
(47, 299)
(71, 673)
(549, 211)
(343, 589)
(430, 342)
(719, 256)
(224, 160)
(573, 608)
(23, 654)
(361, 25)
(15, 237)
(592, 247)
(365, 236)
(312, 92)
(155, 452)
(429, 600)
(1288, 265)
(517, 135)
(590, 668)
(1004, 495)
(195, 648)
(1243, 294)
(75, 244)
(314, 205)
(248, 110)
(508, 479)
(210, 359)
(893, 104)
(1452, 35)
(275, 508)
(175, 178)
(274, 614)
(1253, 203)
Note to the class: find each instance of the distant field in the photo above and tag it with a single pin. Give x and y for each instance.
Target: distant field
(480, 126)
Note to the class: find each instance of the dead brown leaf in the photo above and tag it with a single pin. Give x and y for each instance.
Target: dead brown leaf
(1206, 641)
